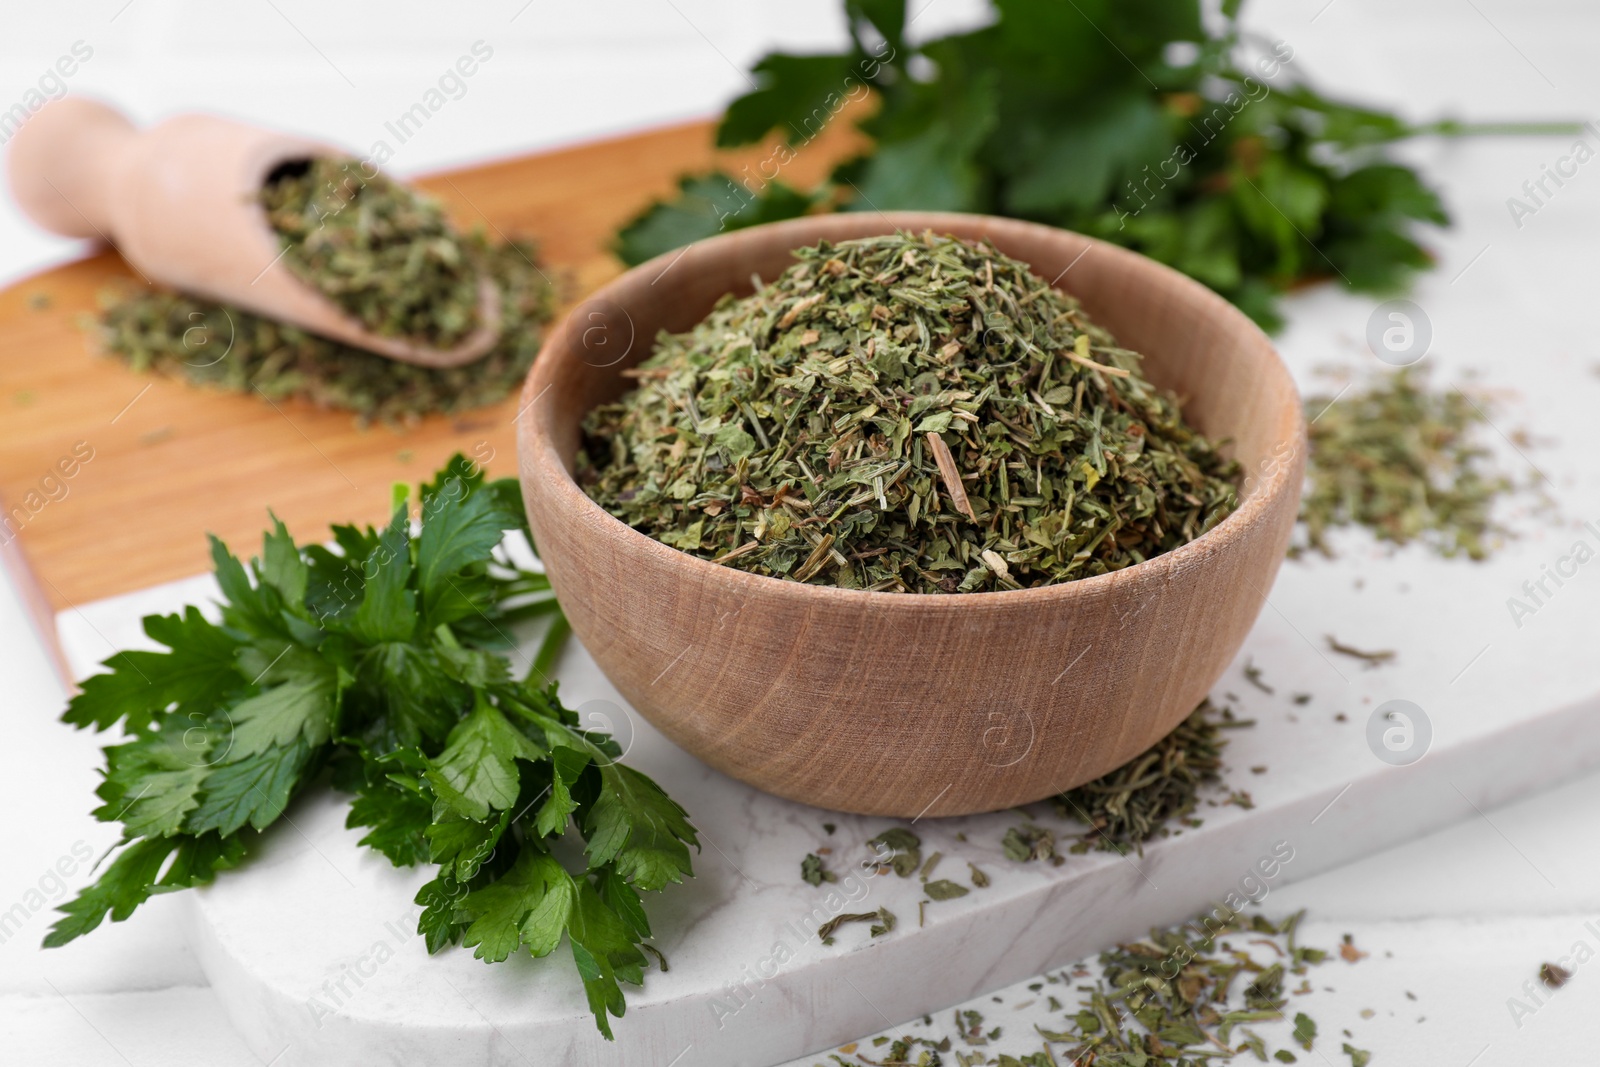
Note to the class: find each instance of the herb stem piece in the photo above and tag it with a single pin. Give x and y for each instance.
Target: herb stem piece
(950, 476)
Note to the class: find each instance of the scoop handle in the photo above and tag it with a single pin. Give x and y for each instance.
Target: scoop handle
(63, 165)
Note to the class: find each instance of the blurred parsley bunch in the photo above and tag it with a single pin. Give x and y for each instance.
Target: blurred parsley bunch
(1129, 120)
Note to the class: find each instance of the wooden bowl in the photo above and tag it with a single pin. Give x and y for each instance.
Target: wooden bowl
(901, 703)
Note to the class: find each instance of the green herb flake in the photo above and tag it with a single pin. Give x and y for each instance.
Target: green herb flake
(812, 872)
(1358, 1057)
(898, 849)
(1030, 842)
(1305, 1030)
(944, 889)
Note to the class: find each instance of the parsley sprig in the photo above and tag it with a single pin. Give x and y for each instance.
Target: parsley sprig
(378, 664)
(1136, 121)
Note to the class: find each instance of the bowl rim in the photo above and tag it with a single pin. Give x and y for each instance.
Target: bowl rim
(535, 443)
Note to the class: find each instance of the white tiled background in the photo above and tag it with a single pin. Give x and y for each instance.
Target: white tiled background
(1473, 918)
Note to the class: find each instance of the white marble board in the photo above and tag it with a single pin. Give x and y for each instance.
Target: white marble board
(310, 950)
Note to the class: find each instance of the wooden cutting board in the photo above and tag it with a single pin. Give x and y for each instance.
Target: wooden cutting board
(109, 479)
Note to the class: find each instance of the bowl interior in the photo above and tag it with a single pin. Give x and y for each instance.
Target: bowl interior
(1245, 402)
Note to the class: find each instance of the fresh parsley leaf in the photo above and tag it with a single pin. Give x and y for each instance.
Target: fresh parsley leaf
(795, 95)
(253, 790)
(141, 685)
(1220, 162)
(397, 821)
(566, 765)
(300, 706)
(135, 874)
(527, 907)
(388, 610)
(404, 688)
(281, 564)
(124, 886)
(705, 206)
(604, 952)
(462, 845)
(477, 770)
(457, 533)
(639, 829)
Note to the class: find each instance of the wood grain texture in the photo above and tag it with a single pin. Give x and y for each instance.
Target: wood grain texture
(171, 461)
(908, 704)
(180, 201)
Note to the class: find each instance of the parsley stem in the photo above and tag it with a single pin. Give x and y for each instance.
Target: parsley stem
(555, 639)
(1456, 128)
(533, 609)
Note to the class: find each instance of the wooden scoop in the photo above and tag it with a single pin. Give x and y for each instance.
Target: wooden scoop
(179, 201)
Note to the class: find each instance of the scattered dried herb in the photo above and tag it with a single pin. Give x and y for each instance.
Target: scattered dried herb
(1252, 674)
(812, 872)
(1030, 842)
(883, 921)
(826, 931)
(1305, 1030)
(1183, 997)
(969, 1024)
(1371, 659)
(380, 250)
(224, 347)
(1553, 975)
(1141, 799)
(1406, 462)
(979, 879)
(904, 413)
(944, 889)
(1358, 1057)
(898, 849)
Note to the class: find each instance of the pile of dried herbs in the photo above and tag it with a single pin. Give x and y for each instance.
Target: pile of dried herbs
(1143, 798)
(379, 250)
(222, 346)
(1186, 996)
(904, 413)
(1405, 462)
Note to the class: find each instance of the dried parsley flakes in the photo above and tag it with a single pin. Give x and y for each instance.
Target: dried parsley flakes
(1186, 995)
(904, 413)
(1143, 798)
(381, 251)
(222, 346)
(1404, 461)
